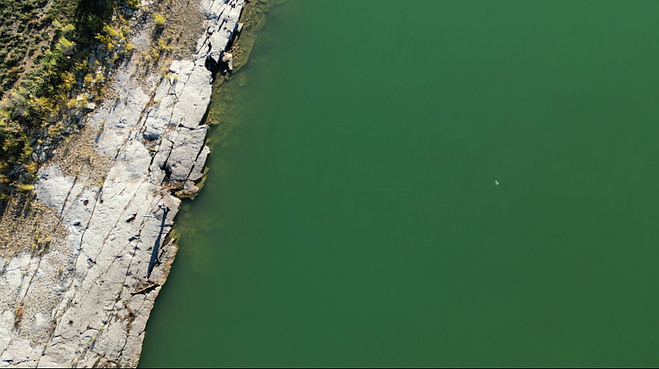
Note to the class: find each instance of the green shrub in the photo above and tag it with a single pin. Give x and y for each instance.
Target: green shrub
(159, 20)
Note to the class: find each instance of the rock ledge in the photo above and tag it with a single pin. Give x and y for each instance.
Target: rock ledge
(86, 300)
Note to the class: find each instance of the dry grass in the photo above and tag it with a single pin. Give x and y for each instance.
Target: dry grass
(77, 157)
(26, 224)
(172, 37)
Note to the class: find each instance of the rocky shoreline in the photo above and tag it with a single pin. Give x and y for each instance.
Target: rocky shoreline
(85, 299)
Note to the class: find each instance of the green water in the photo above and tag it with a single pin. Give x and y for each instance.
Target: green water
(352, 217)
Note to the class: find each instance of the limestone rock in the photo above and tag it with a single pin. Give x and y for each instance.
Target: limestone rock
(198, 169)
(187, 145)
(86, 300)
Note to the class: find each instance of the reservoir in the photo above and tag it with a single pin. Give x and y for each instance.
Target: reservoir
(427, 183)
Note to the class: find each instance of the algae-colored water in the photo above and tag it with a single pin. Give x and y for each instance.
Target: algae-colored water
(352, 217)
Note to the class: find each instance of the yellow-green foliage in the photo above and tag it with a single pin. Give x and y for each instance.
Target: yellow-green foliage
(112, 32)
(31, 167)
(68, 29)
(159, 20)
(68, 80)
(25, 187)
(157, 49)
(110, 37)
(65, 46)
(114, 39)
(134, 4)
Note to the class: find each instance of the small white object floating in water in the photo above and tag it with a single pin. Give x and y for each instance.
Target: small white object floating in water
(496, 183)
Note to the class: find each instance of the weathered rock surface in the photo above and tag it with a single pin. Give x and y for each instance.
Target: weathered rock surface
(85, 300)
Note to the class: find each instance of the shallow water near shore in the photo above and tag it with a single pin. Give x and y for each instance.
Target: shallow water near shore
(429, 183)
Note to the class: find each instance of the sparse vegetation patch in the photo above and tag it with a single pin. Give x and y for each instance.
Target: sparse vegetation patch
(52, 67)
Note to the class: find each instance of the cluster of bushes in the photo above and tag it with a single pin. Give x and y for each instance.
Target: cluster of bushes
(83, 36)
